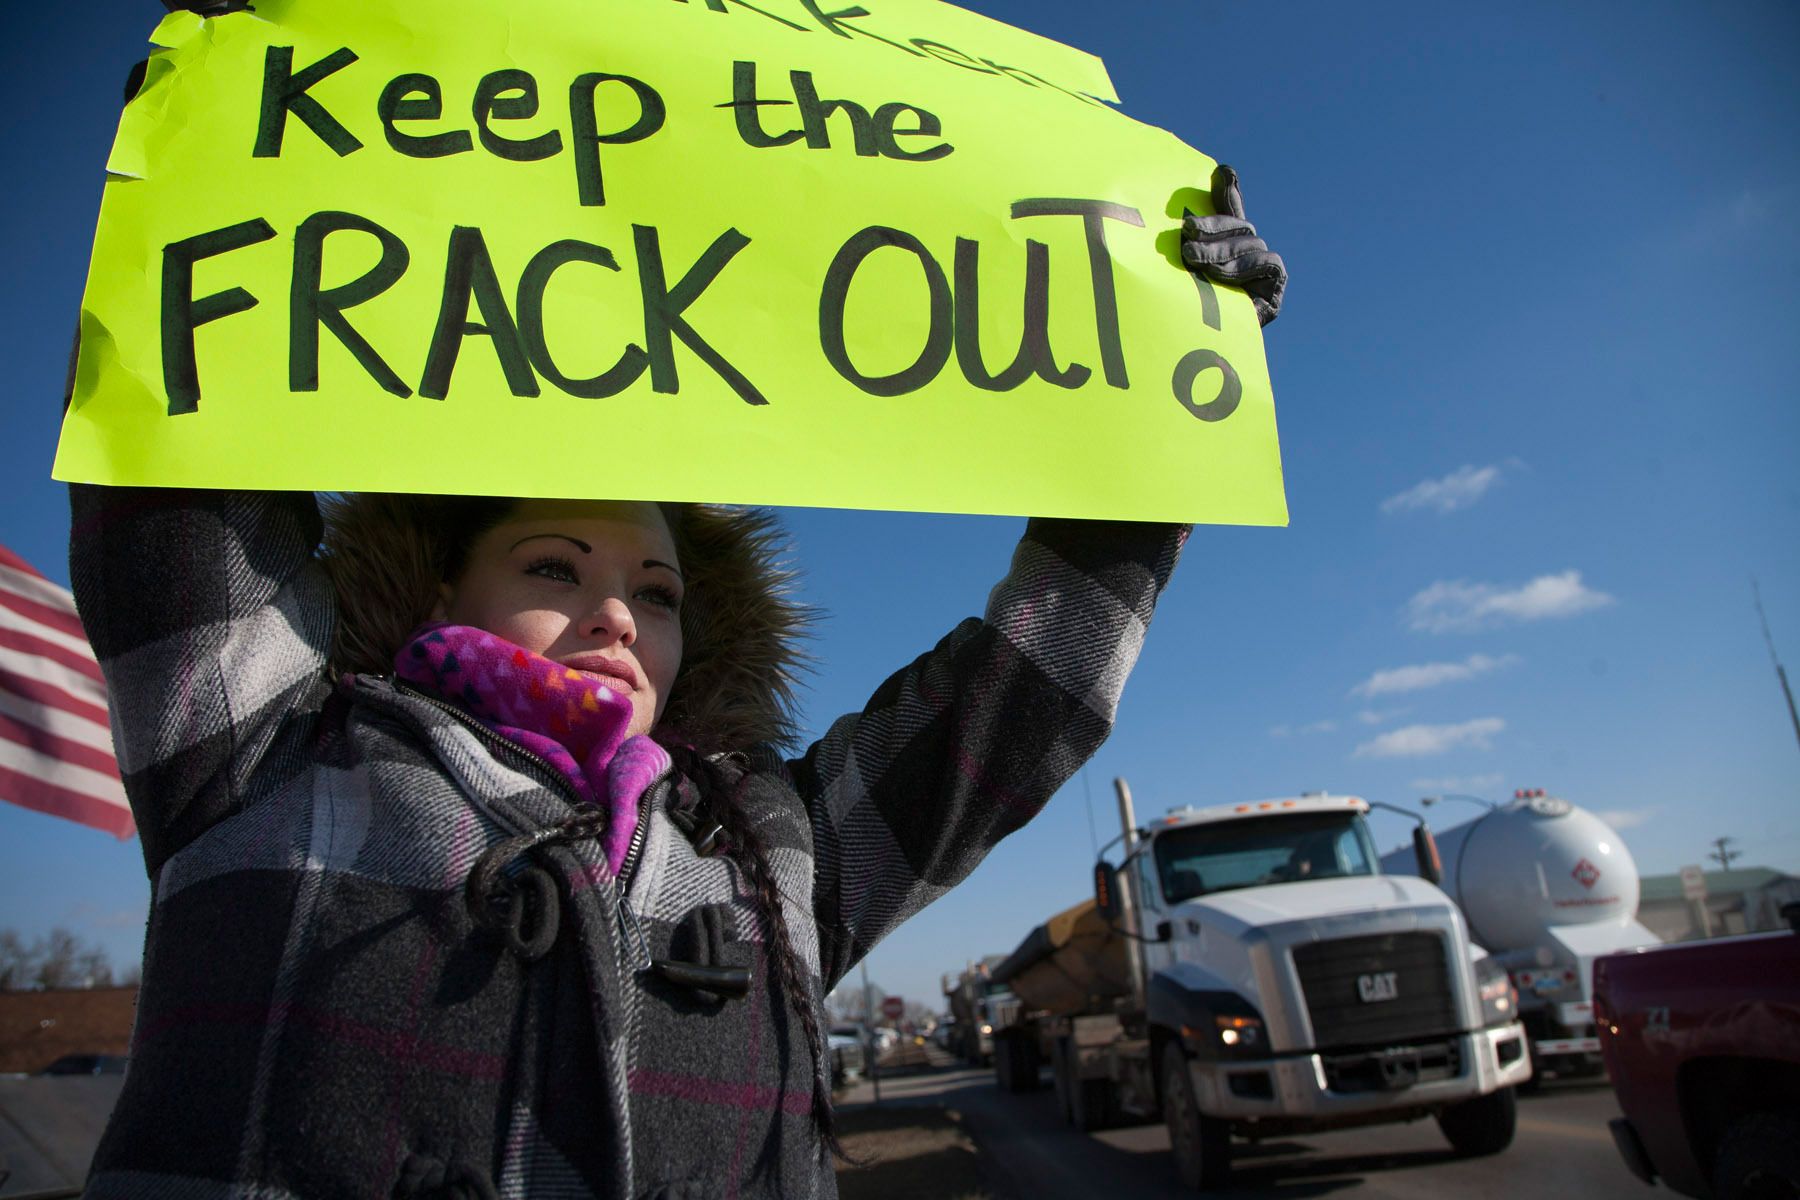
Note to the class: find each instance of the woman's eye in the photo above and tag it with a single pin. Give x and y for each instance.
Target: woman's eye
(559, 569)
(662, 597)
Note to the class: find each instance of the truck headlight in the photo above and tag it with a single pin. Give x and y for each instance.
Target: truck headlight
(1229, 1037)
(1499, 999)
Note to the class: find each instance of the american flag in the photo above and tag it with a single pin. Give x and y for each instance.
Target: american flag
(56, 748)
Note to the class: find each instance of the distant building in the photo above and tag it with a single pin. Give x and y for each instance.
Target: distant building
(1745, 901)
(37, 1028)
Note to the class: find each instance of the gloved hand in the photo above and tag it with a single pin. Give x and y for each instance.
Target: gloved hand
(1225, 248)
(206, 8)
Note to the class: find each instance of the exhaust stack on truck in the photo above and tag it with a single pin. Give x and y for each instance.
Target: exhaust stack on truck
(1245, 970)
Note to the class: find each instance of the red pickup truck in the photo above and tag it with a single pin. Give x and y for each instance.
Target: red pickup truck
(1702, 1041)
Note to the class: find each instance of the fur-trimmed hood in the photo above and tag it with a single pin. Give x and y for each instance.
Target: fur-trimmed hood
(742, 630)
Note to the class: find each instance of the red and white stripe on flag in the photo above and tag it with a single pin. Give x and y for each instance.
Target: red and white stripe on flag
(56, 747)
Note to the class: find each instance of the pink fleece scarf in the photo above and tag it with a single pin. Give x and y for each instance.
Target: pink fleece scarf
(564, 717)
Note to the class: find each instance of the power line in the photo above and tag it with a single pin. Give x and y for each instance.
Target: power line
(1780, 672)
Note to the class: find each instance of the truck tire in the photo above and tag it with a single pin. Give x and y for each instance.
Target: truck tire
(1201, 1145)
(1758, 1157)
(1060, 1071)
(1481, 1126)
(1013, 1069)
(1090, 1104)
(1017, 1064)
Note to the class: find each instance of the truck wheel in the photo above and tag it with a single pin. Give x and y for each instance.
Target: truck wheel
(1759, 1157)
(1059, 1071)
(1481, 1126)
(1201, 1144)
(1017, 1065)
(1027, 1067)
(1090, 1103)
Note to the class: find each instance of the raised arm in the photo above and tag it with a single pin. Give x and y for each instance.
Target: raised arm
(212, 622)
(969, 742)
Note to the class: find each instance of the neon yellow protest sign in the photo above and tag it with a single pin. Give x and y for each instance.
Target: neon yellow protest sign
(896, 256)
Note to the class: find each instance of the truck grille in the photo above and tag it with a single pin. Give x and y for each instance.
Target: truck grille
(1335, 975)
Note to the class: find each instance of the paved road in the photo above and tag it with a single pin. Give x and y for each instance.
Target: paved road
(49, 1126)
(1562, 1149)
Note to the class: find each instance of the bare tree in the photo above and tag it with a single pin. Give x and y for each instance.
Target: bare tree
(848, 1003)
(919, 1014)
(59, 960)
(92, 969)
(18, 962)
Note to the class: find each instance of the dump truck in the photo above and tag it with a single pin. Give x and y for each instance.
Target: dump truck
(1247, 971)
(1546, 887)
(972, 997)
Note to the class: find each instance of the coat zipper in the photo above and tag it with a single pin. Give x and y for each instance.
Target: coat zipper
(493, 739)
(628, 920)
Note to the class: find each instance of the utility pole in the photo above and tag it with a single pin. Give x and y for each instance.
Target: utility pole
(1722, 854)
(1780, 671)
(868, 1035)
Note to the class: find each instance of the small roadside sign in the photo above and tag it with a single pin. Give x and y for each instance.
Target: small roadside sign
(1693, 883)
(893, 1008)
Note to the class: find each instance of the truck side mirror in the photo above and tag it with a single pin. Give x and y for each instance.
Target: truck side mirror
(1431, 867)
(1106, 891)
(1164, 931)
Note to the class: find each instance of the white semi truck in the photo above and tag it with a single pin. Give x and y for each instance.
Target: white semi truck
(1248, 971)
(1546, 888)
(971, 998)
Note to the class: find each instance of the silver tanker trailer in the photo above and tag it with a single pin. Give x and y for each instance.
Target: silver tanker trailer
(1546, 888)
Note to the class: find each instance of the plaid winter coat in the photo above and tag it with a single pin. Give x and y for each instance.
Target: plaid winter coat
(321, 1015)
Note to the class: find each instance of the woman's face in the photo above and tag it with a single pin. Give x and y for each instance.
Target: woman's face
(591, 584)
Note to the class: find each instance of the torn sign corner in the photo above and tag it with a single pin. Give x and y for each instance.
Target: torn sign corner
(176, 29)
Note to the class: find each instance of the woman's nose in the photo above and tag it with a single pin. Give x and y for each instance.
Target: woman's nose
(610, 621)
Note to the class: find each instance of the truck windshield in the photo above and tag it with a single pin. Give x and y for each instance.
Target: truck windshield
(1262, 850)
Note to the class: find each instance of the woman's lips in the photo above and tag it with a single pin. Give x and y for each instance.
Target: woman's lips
(614, 673)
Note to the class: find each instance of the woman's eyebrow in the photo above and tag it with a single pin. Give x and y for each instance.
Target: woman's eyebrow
(657, 562)
(575, 541)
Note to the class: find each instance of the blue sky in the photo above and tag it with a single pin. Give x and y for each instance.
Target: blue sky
(1535, 380)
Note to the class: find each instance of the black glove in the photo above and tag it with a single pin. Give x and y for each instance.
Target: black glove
(206, 8)
(1225, 248)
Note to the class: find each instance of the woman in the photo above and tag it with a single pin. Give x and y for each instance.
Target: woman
(476, 869)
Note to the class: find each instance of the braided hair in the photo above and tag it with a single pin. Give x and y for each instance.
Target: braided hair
(721, 800)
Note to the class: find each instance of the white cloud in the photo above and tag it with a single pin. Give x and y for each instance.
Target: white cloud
(1455, 605)
(1622, 819)
(1750, 208)
(1281, 731)
(1475, 784)
(1420, 741)
(1371, 716)
(1459, 489)
(1429, 675)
